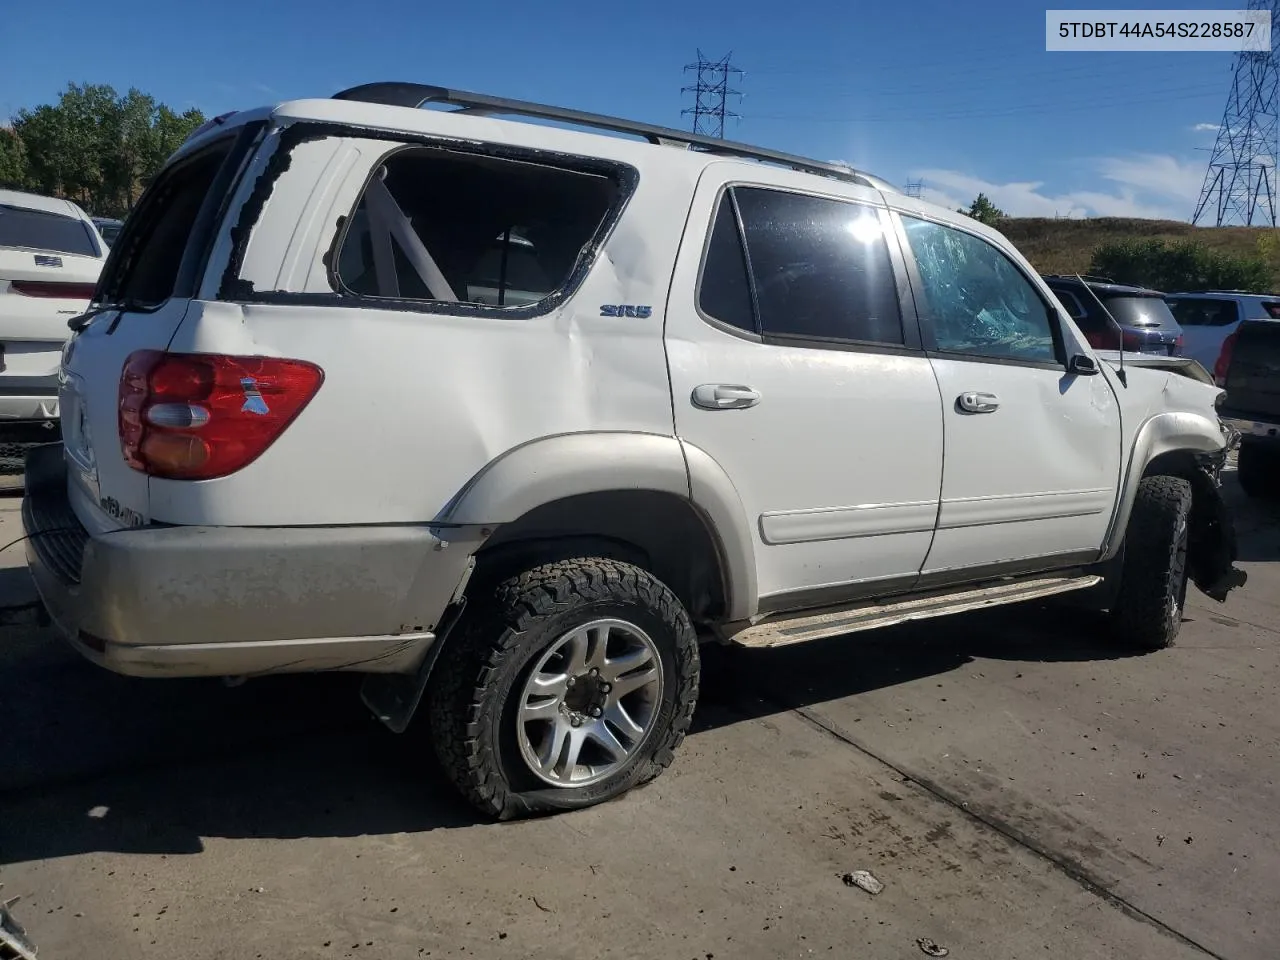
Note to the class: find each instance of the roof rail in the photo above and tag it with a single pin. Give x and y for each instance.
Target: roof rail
(396, 94)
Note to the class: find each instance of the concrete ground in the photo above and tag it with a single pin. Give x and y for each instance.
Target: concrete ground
(1021, 787)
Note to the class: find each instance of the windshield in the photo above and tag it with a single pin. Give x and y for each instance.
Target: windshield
(38, 230)
(1148, 312)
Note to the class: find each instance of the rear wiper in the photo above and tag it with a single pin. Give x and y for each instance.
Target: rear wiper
(79, 323)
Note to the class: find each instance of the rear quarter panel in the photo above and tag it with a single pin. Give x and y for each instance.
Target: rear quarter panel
(414, 404)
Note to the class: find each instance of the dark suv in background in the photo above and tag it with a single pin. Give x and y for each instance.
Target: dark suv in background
(1147, 325)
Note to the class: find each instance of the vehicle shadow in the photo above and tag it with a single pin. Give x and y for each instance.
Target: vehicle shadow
(100, 763)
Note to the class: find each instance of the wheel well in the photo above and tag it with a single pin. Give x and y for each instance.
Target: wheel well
(661, 532)
(1206, 504)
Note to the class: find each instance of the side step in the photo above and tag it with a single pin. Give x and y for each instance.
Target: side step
(834, 621)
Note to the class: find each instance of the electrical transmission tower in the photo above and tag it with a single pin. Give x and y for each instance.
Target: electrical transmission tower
(711, 95)
(1240, 184)
(914, 187)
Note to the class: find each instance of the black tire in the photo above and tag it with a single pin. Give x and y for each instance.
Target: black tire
(1153, 577)
(473, 693)
(1258, 471)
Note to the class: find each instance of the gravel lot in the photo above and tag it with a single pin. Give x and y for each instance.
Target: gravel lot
(1021, 788)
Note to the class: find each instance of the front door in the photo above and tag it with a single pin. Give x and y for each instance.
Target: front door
(801, 379)
(1032, 451)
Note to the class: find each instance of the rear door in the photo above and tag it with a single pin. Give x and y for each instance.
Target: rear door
(794, 367)
(146, 287)
(1206, 322)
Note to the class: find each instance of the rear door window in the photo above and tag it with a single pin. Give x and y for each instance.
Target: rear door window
(453, 228)
(1204, 312)
(820, 267)
(42, 230)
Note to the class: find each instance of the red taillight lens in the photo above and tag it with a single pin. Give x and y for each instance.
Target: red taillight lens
(1224, 359)
(61, 291)
(201, 416)
(1103, 339)
(1131, 341)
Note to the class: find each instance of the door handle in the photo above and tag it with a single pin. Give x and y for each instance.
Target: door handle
(973, 402)
(724, 396)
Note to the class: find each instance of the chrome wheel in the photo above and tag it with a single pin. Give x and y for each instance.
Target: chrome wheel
(589, 703)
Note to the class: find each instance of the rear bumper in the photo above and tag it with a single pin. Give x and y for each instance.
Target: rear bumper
(235, 601)
(1262, 432)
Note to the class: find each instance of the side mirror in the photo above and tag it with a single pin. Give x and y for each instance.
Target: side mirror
(1084, 365)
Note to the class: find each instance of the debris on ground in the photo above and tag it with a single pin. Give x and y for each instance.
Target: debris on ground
(863, 880)
(932, 949)
(13, 939)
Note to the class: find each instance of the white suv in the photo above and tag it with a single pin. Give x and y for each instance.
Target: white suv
(50, 258)
(510, 417)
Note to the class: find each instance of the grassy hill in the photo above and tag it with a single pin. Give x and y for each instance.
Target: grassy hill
(1065, 246)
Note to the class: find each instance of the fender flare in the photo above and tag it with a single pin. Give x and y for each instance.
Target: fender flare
(572, 464)
(1162, 433)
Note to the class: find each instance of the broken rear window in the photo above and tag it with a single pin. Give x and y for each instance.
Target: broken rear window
(448, 227)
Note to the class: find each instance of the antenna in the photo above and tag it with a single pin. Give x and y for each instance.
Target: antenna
(1119, 329)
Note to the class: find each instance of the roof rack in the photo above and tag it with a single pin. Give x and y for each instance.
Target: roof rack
(416, 95)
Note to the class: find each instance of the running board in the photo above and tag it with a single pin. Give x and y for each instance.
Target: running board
(832, 622)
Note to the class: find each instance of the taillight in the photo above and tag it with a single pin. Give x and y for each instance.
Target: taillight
(1102, 339)
(1131, 341)
(189, 416)
(1224, 359)
(59, 290)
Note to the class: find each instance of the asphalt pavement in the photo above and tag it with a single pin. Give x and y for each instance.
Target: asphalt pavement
(1021, 787)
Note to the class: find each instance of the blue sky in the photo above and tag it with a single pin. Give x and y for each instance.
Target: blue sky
(959, 94)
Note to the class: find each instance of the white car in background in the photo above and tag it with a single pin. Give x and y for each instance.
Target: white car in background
(50, 258)
(1209, 318)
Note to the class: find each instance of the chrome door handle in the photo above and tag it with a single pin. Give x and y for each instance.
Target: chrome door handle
(724, 396)
(973, 402)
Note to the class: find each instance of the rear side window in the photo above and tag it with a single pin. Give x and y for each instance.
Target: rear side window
(1148, 312)
(725, 289)
(820, 267)
(1069, 302)
(144, 267)
(1204, 312)
(433, 225)
(41, 230)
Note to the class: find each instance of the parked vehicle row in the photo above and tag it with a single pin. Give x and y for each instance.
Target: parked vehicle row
(599, 401)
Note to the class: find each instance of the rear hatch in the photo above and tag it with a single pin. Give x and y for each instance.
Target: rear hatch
(147, 285)
(49, 265)
(1253, 376)
(1148, 324)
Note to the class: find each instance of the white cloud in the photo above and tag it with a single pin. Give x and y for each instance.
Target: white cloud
(1206, 127)
(1150, 186)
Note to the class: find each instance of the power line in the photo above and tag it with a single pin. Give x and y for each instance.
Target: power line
(711, 94)
(1240, 183)
(1063, 106)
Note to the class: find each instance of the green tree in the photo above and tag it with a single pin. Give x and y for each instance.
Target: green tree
(13, 160)
(99, 148)
(982, 209)
(1184, 265)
